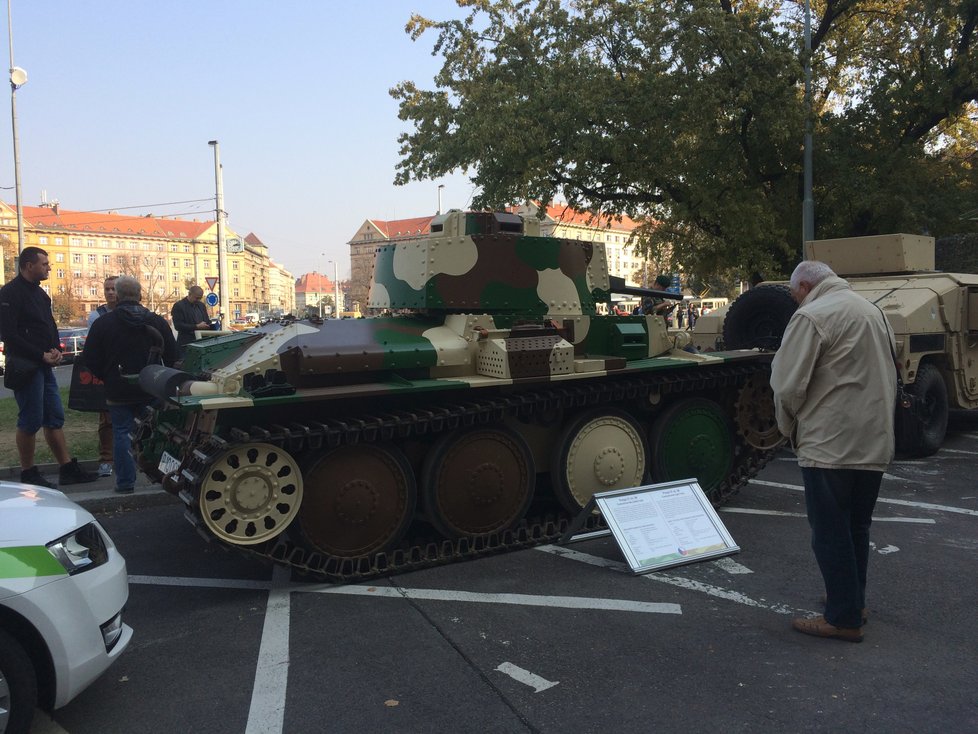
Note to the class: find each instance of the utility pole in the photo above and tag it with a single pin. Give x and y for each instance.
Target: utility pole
(808, 204)
(222, 261)
(440, 187)
(336, 292)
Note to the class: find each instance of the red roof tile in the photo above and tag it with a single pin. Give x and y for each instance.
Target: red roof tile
(43, 217)
(403, 227)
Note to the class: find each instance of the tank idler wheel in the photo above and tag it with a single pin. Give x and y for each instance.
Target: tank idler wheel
(600, 450)
(477, 482)
(692, 438)
(250, 493)
(360, 500)
(755, 417)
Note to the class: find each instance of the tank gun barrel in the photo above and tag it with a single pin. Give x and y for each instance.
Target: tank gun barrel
(618, 286)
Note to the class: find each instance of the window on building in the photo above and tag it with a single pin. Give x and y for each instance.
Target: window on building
(160, 248)
(76, 273)
(77, 290)
(76, 241)
(159, 277)
(176, 263)
(207, 264)
(92, 259)
(46, 288)
(235, 278)
(42, 240)
(89, 243)
(59, 257)
(134, 260)
(173, 248)
(106, 259)
(186, 262)
(92, 290)
(186, 248)
(159, 261)
(176, 277)
(234, 266)
(59, 240)
(105, 243)
(61, 272)
(76, 257)
(206, 250)
(61, 289)
(120, 259)
(174, 292)
(92, 274)
(236, 293)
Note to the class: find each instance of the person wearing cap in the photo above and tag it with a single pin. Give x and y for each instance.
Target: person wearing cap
(655, 304)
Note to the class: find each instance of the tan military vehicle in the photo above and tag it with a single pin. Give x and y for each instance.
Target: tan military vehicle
(934, 317)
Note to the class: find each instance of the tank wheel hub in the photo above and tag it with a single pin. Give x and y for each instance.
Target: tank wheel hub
(250, 493)
(356, 502)
(486, 484)
(754, 414)
(609, 466)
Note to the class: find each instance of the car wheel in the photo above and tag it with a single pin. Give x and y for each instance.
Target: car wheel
(921, 432)
(18, 687)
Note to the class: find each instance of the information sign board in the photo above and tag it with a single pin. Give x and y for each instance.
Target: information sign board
(662, 525)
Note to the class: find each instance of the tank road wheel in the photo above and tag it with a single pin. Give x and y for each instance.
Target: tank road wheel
(755, 417)
(251, 493)
(359, 500)
(477, 482)
(601, 450)
(692, 438)
(922, 432)
(758, 318)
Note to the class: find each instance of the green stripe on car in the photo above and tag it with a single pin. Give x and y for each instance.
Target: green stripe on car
(28, 561)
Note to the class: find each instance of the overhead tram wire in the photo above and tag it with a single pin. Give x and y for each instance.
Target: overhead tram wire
(144, 206)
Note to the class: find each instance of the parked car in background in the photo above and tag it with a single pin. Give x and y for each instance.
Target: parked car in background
(63, 585)
(72, 343)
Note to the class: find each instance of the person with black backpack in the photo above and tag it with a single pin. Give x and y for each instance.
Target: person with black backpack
(120, 343)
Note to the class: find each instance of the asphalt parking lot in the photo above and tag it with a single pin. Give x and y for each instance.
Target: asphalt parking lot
(560, 639)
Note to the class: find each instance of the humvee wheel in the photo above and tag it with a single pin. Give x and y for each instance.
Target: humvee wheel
(478, 482)
(754, 414)
(601, 450)
(250, 493)
(692, 438)
(922, 432)
(359, 500)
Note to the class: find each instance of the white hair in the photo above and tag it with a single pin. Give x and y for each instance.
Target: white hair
(812, 272)
(128, 288)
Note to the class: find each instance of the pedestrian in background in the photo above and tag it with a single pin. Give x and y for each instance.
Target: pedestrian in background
(834, 383)
(30, 334)
(104, 421)
(189, 315)
(120, 344)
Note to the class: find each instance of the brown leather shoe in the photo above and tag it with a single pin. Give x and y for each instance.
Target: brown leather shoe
(818, 627)
(865, 614)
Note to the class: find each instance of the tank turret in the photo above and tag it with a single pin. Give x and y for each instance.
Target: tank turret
(491, 385)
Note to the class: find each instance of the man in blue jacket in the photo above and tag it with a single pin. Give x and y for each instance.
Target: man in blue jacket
(30, 334)
(120, 343)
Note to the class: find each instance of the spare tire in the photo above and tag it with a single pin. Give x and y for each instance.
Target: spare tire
(758, 318)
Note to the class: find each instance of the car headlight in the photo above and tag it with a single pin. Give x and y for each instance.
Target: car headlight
(81, 550)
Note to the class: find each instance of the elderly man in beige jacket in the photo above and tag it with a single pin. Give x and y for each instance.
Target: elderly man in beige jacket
(834, 383)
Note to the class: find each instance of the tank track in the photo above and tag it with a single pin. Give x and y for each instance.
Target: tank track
(420, 552)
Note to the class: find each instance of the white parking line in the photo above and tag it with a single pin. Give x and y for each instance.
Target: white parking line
(560, 602)
(267, 712)
(734, 596)
(731, 566)
(525, 676)
(779, 513)
(906, 503)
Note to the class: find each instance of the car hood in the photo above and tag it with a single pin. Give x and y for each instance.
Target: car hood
(32, 515)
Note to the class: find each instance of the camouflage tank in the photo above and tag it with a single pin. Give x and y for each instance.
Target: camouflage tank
(480, 413)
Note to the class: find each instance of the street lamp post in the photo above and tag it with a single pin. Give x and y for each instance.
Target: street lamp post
(808, 204)
(222, 263)
(440, 187)
(18, 77)
(336, 292)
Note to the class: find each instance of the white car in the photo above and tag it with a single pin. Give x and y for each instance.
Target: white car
(63, 585)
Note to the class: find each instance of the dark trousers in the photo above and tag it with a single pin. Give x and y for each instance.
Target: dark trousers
(840, 506)
(104, 437)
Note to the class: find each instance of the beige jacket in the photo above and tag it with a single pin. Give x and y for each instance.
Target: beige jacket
(834, 381)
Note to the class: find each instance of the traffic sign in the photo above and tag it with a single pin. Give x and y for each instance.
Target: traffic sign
(211, 299)
(211, 282)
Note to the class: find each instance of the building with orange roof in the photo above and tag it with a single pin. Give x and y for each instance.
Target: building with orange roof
(166, 255)
(371, 234)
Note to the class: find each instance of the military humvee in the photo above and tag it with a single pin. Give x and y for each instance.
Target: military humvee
(934, 316)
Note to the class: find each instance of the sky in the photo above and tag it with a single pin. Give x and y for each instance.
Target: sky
(122, 98)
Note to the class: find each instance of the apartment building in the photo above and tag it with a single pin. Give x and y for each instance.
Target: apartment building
(166, 255)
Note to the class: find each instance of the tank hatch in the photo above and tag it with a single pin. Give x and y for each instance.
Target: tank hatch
(876, 254)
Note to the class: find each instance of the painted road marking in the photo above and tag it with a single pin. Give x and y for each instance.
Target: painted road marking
(560, 602)
(534, 681)
(779, 513)
(689, 584)
(386, 592)
(906, 503)
(267, 712)
(731, 566)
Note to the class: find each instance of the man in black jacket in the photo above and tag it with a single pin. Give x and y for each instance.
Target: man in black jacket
(29, 333)
(121, 343)
(189, 315)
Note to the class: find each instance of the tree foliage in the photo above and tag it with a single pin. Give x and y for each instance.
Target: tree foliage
(689, 115)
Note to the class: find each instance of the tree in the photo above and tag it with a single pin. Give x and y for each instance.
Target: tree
(688, 114)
